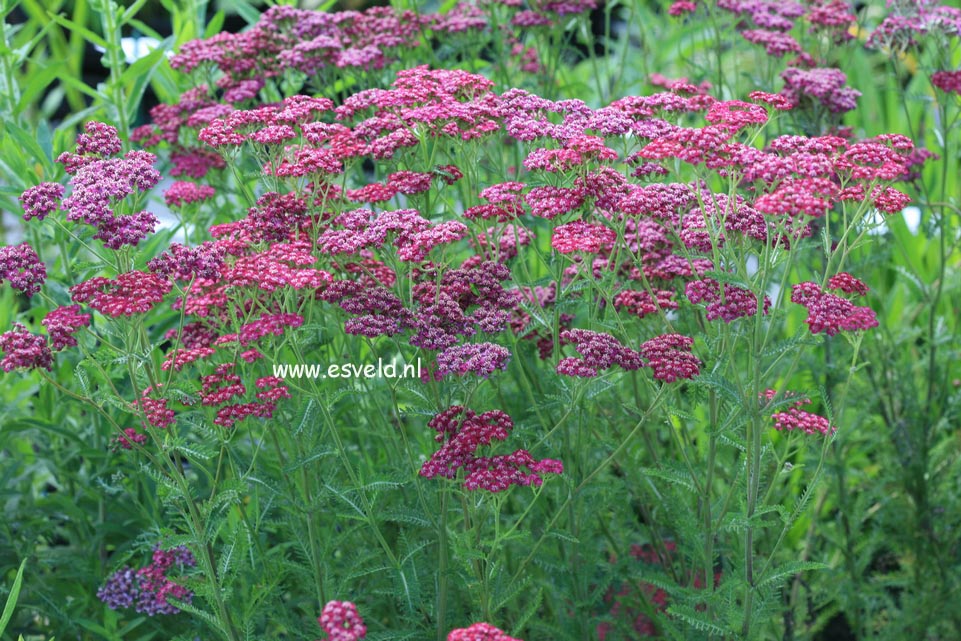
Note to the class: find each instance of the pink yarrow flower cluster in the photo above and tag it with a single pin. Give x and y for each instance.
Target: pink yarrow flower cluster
(462, 432)
(342, 622)
(794, 418)
(479, 632)
(830, 313)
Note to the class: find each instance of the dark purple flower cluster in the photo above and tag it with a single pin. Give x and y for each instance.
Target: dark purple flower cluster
(642, 303)
(462, 432)
(22, 268)
(62, 323)
(669, 355)
(149, 588)
(598, 352)
(947, 81)
(186, 263)
(830, 313)
(41, 200)
(482, 359)
(726, 303)
(24, 350)
(823, 86)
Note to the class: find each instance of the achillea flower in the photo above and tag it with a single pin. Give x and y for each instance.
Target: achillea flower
(221, 387)
(947, 81)
(798, 198)
(130, 293)
(736, 302)
(848, 284)
(99, 139)
(776, 101)
(479, 632)
(99, 183)
(271, 389)
(275, 216)
(775, 43)
(155, 410)
(41, 200)
(119, 231)
(419, 244)
(62, 323)
(267, 324)
(230, 415)
(306, 161)
(829, 313)
(21, 267)
(692, 145)
(462, 436)
(794, 418)
(582, 236)
(372, 193)
(681, 7)
(184, 263)
(180, 358)
(642, 303)
(507, 194)
(123, 441)
(550, 202)
(478, 358)
(195, 162)
(220, 134)
(669, 355)
(342, 622)
(149, 588)
(598, 352)
(182, 193)
(410, 182)
(658, 200)
(822, 85)
(736, 114)
(24, 350)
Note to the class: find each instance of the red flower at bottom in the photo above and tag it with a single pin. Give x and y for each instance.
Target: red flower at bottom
(479, 632)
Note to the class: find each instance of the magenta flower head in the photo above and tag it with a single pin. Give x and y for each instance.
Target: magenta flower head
(341, 621)
(62, 323)
(24, 350)
(22, 268)
(477, 358)
(41, 200)
(479, 632)
(830, 313)
(669, 355)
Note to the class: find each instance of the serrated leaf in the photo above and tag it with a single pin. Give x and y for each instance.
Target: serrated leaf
(695, 619)
(790, 569)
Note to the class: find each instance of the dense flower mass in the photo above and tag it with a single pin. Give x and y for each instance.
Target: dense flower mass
(342, 622)
(830, 313)
(24, 350)
(794, 418)
(479, 226)
(22, 268)
(149, 588)
(462, 432)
